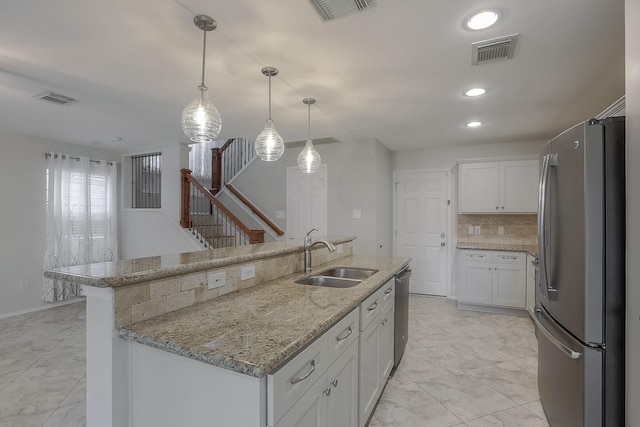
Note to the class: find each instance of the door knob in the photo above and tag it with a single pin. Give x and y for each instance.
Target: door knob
(442, 243)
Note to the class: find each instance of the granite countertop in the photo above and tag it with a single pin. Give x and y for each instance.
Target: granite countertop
(128, 272)
(514, 247)
(254, 331)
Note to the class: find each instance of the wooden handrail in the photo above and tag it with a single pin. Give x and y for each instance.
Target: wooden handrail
(255, 236)
(255, 210)
(216, 166)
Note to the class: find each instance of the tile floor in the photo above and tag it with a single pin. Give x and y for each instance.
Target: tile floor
(460, 368)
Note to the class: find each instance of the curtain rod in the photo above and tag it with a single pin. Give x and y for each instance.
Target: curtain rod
(64, 156)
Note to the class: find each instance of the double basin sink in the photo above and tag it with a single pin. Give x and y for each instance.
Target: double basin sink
(338, 277)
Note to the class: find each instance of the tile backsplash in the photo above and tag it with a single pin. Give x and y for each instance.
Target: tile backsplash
(520, 229)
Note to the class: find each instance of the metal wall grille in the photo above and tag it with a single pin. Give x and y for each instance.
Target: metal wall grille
(146, 181)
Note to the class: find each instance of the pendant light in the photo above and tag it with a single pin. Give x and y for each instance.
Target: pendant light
(269, 144)
(309, 159)
(201, 120)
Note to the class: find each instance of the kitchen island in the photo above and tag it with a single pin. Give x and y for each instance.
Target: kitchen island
(158, 340)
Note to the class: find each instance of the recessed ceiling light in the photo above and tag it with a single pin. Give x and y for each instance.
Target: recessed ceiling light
(476, 91)
(482, 20)
(474, 124)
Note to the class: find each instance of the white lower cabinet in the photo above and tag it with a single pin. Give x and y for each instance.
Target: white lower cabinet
(332, 400)
(376, 350)
(493, 278)
(319, 387)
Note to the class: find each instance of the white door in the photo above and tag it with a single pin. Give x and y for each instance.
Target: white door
(421, 227)
(306, 202)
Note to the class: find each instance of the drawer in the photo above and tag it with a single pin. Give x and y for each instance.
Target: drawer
(519, 258)
(292, 380)
(476, 256)
(388, 294)
(342, 334)
(373, 305)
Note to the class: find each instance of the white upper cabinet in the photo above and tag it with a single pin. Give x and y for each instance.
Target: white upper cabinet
(499, 187)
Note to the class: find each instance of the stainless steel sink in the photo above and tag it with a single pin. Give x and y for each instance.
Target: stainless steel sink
(329, 282)
(349, 273)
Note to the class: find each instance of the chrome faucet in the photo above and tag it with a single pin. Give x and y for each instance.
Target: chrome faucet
(308, 246)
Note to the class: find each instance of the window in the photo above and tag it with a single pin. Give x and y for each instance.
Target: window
(146, 185)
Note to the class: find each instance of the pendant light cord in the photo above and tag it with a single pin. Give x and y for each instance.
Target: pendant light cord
(309, 121)
(269, 97)
(204, 50)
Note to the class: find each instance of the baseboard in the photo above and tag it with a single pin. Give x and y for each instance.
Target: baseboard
(42, 307)
(493, 309)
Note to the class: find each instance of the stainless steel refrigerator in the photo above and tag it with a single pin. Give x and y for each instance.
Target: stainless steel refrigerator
(580, 308)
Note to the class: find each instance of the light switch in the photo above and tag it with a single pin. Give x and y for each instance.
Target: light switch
(477, 229)
(357, 214)
(471, 229)
(280, 214)
(339, 249)
(501, 230)
(216, 280)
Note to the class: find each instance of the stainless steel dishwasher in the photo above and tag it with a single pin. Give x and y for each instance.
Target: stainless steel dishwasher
(402, 314)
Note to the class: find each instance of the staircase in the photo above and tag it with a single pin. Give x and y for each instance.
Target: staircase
(203, 213)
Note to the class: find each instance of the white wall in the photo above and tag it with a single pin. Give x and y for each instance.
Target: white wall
(632, 48)
(150, 232)
(22, 215)
(353, 183)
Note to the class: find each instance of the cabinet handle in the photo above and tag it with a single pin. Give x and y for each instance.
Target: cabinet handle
(334, 383)
(496, 208)
(305, 376)
(373, 306)
(327, 391)
(509, 257)
(496, 268)
(350, 331)
(388, 291)
(503, 208)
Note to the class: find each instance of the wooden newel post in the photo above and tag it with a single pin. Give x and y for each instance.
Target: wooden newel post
(216, 170)
(185, 197)
(256, 236)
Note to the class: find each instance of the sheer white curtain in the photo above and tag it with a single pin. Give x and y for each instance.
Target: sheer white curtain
(81, 217)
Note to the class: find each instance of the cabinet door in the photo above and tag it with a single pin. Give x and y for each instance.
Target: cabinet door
(509, 285)
(479, 189)
(519, 186)
(369, 367)
(475, 282)
(310, 410)
(342, 403)
(386, 342)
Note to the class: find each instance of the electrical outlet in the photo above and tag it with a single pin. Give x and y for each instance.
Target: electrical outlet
(476, 229)
(280, 214)
(356, 214)
(23, 286)
(247, 272)
(216, 280)
(339, 249)
(501, 230)
(471, 229)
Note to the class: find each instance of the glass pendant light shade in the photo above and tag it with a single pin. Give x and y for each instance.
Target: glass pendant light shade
(269, 144)
(201, 121)
(309, 159)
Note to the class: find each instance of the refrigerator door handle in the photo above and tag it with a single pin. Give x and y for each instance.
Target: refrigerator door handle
(555, 341)
(548, 161)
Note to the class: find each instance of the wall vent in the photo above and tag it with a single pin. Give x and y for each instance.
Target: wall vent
(334, 9)
(55, 98)
(493, 49)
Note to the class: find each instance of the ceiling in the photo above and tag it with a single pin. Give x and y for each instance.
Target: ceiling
(395, 72)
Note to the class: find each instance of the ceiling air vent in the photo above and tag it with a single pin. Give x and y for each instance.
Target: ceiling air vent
(334, 9)
(493, 49)
(55, 98)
